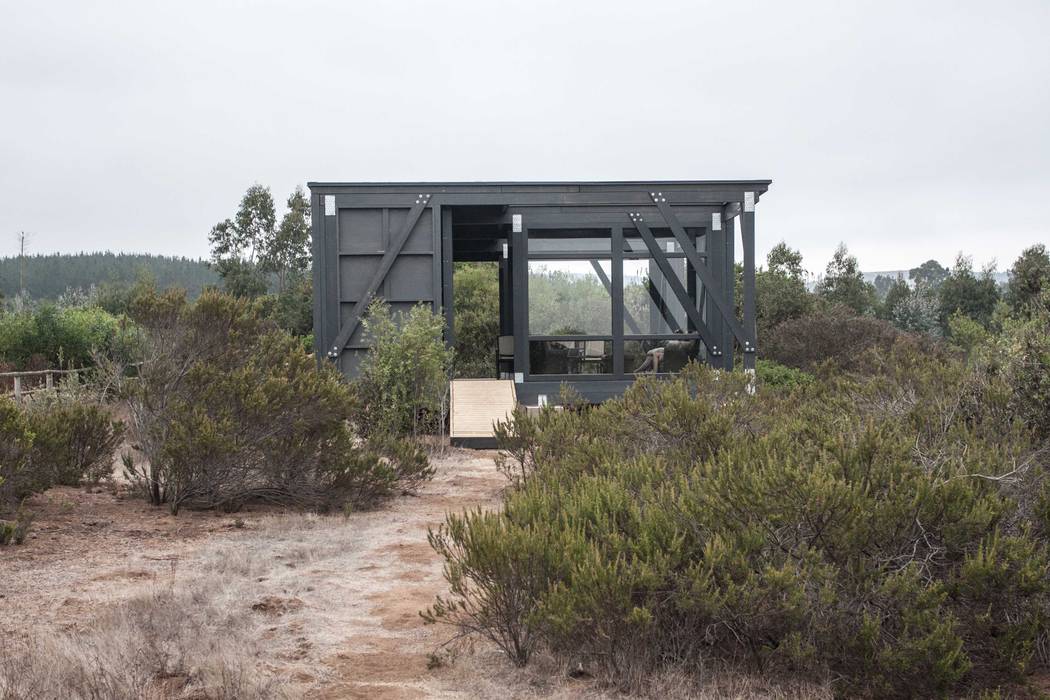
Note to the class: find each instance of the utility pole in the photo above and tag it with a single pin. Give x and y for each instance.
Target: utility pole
(22, 264)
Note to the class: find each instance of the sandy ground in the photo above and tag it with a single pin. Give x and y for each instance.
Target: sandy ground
(307, 606)
(333, 601)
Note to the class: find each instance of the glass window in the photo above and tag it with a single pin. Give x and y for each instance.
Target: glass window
(650, 306)
(570, 297)
(661, 356)
(570, 356)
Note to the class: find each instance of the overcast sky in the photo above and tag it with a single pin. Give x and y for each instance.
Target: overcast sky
(908, 130)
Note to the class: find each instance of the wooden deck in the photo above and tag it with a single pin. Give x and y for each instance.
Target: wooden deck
(477, 404)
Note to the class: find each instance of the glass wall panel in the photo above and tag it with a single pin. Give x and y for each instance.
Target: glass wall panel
(650, 305)
(570, 356)
(570, 297)
(660, 355)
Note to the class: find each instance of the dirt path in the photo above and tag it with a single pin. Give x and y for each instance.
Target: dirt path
(331, 603)
(392, 574)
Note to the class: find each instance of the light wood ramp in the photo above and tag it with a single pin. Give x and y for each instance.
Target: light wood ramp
(476, 405)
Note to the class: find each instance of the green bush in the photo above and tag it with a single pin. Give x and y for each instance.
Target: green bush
(773, 374)
(402, 386)
(55, 439)
(16, 531)
(227, 408)
(965, 333)
(16, 441)
(73, 440)
(62, 337)
(871, 529)
(1021, 355)
(475, 289)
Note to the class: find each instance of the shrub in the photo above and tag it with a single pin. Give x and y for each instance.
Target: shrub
(966, 333)
(56, 439)
(16, 441)
(62, 337)
(402, 388)
(16, 531)
(227, 408)
(1022, 356)
(837, 337)
(865, 528)
(917, 312)
(772, 374)
(475, 290)
(73, 440)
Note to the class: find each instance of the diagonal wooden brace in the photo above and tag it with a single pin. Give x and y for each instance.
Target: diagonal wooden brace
(396, 244)
(676, 285)
(715, 289)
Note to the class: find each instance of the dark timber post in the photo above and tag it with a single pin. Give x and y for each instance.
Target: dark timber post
(617, 300)
(714, 246)
(446, 276)
(317, 250)
(332, 315)
(747, 237)
(520, 271)
(729, 283)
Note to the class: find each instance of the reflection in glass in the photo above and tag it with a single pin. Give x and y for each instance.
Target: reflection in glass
(659, 356)
(570, 356)
(570, 297)
(650, 305)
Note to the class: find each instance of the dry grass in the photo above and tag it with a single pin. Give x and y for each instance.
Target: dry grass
(168, 643)
(195, 628)
(487, 675)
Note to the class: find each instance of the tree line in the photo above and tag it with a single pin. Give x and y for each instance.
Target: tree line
(934, 300)
(52, 275)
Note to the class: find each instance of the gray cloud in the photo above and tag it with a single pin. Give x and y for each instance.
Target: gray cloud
(908, 130)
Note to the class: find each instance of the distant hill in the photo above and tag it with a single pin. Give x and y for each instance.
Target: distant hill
(49, 276)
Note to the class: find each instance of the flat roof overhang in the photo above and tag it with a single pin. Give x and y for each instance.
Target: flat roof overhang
(615, 193)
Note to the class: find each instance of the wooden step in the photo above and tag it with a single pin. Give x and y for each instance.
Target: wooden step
(477, 404)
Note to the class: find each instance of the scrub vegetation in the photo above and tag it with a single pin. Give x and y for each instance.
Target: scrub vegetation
(60, 437)
(226, 408)
(872, 519)
(883, 529)
(868, 516)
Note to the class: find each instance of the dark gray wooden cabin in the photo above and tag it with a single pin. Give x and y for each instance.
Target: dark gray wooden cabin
(614, 273)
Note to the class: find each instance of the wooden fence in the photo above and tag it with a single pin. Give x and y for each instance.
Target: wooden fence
(23, 383)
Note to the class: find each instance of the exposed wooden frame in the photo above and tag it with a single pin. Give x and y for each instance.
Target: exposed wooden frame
(712, 343)
(396, 244)
(710, 283)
